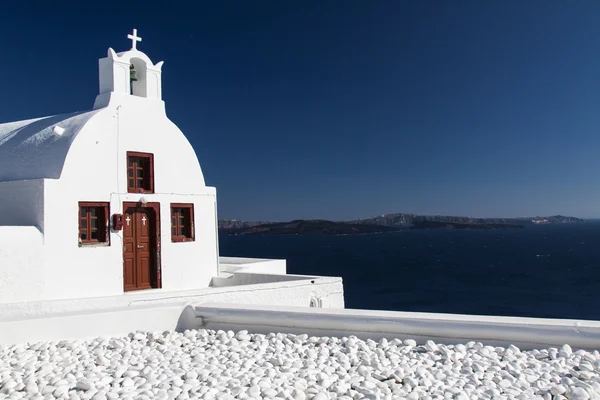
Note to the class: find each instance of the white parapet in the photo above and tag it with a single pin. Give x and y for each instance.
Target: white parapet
(253, 265)
(90, 324)
(527, 333)
(157, 309)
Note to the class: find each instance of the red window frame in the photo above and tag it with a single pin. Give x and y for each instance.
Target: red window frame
(182, 222)
(90, 214)
(140, 162)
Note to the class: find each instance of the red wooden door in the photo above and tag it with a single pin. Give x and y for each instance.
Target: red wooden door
(139, 230)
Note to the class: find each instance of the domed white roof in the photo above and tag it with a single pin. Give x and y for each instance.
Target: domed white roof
(34, 149)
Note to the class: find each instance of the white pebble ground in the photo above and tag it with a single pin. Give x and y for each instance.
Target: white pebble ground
(205, 364)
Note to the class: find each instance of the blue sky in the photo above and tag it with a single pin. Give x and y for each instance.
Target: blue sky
(346, 109)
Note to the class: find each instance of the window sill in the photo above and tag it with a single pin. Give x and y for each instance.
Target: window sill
(145, 191)
(181, 239)
(94, 244)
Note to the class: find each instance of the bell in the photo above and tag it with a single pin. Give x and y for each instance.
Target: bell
(132, 73)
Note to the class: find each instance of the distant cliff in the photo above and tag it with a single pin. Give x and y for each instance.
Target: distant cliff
(412, 221)
(408, 220)
(454, 225)
(228, 224)
(557, 219)
(309, 227)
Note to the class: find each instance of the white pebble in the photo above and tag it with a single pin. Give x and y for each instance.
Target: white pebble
(565, 351)
(218, 365)
(558, 389)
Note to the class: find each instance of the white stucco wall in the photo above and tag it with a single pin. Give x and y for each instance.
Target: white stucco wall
(115, 73)
(526, 333)
(189, 265)
(251, 278)
(285, 293)
(85, 271)
(256, 265)
(86, 324)
(21, 264)
(21, 203)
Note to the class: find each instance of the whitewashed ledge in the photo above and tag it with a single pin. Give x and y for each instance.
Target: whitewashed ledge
(526, 333)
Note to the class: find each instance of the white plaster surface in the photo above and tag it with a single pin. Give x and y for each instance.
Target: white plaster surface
(22, 204)
(250, 278)
(9, 128)
(30, 149)
(77, 325)
(371, 324)
(21, 258)
(287, 293)
(114, 75)
(256, 265)
(185, 266)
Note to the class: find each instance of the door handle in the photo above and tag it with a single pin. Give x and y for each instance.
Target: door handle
(140, 247)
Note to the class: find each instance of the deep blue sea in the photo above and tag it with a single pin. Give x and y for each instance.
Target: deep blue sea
(541, 271)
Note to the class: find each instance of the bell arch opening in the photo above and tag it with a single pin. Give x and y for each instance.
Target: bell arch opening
(315, 302)
(137, 77)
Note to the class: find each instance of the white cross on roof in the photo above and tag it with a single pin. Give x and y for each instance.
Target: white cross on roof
(134, 39)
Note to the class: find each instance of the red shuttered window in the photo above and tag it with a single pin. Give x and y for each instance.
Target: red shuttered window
(140, 172)
(93, 223)
(182, 222)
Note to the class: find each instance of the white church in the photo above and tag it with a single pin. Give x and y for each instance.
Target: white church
(109, 207)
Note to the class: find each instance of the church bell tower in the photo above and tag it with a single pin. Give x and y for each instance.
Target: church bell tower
(129, 73)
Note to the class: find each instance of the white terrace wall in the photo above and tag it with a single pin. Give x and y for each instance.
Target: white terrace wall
(22, 203)
(91, 324)
(21, 261)
(296, 293)
(252, 278)
(149, 310)
(256, 265)
(21, 240)
(526, 333)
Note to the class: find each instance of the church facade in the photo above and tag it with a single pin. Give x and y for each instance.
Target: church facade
(107, 201)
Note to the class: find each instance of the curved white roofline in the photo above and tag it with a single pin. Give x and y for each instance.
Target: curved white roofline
(31, 149)
(126, 56)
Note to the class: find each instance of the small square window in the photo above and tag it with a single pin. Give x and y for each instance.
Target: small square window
(182, 222)
(140, 172)
(93, 223)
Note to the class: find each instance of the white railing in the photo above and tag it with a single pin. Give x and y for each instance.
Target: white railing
(441, 328)
(525, 333)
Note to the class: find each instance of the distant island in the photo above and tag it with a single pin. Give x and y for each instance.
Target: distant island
(455, 225)
(309, 227)
(409, 220)
(384, 223)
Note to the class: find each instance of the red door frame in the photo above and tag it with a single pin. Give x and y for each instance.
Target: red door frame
(157, 263)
